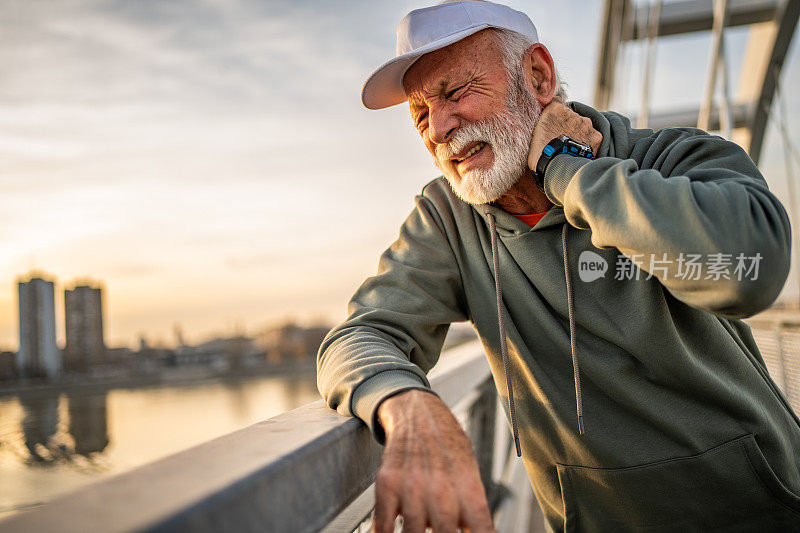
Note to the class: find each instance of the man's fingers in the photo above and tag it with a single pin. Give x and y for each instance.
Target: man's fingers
(387, 506)
(443, 512)
(476, 517)
(597, 140)
(414, 511)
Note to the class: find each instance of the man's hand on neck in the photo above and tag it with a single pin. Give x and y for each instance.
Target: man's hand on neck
(557, 118)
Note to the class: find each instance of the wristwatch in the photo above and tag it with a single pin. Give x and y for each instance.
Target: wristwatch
(560, 145)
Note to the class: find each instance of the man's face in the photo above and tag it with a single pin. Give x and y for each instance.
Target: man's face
(476, 124)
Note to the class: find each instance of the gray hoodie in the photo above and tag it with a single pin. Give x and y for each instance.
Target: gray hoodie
(640, 399)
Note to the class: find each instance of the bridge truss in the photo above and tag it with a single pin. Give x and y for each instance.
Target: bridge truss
(741, 117)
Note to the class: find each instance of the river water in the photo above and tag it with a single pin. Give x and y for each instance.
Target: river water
(53, 443)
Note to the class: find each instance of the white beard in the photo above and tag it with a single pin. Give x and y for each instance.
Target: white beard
(509, 133)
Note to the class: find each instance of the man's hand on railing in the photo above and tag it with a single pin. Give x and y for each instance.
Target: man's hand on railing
(428, 473)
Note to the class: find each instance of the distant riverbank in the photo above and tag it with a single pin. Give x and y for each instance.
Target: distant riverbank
(170, 376)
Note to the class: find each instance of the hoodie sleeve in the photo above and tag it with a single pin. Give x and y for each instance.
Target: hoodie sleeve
(397, 322)
(689, 208)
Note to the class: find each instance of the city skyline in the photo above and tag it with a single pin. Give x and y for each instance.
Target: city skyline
(77, 317)
(211, 161)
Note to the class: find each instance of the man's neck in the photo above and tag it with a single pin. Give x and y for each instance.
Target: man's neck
(524, 198)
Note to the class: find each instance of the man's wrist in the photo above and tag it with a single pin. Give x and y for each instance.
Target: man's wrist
(394, 408)
(561, 145)
(371, 392)
(559, 175)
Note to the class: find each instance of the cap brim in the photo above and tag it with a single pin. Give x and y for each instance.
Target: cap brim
(384, 87)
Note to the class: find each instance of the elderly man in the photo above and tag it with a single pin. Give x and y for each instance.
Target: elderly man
(605, 270)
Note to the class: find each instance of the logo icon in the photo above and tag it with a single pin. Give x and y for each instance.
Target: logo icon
(591, 266)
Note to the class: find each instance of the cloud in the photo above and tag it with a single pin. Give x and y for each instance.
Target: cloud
(214, 155)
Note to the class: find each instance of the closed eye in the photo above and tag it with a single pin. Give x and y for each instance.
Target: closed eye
(457, 92)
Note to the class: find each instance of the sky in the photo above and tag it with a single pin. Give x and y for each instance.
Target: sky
(210, 163)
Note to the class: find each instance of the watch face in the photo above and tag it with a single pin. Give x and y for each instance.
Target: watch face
(569, 140)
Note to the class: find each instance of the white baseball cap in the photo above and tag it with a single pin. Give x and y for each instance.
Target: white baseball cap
(431, 28)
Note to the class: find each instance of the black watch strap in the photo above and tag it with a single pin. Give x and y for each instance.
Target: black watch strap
(560, 145)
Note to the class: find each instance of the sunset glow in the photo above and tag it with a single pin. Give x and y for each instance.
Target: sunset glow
(210, 163)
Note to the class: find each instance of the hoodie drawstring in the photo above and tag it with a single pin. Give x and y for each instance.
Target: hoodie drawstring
(573, 344)
(502, 323)
(503, 346)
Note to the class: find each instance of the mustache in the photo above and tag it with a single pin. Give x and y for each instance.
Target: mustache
(463, 137)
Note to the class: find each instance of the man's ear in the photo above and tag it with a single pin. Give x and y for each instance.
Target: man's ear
(540, 73)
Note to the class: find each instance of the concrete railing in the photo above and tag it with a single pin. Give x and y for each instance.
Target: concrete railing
(305, 470)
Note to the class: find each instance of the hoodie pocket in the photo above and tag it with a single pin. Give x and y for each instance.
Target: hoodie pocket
(730, 486)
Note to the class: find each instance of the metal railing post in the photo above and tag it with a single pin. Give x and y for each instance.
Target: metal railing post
(481, 430)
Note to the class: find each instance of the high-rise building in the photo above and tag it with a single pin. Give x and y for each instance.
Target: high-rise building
(38, 354)
(83, 313)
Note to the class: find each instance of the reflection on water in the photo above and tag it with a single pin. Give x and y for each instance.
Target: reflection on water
(88, 423)
(53, 443)
(87, 431)
(39, 426)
